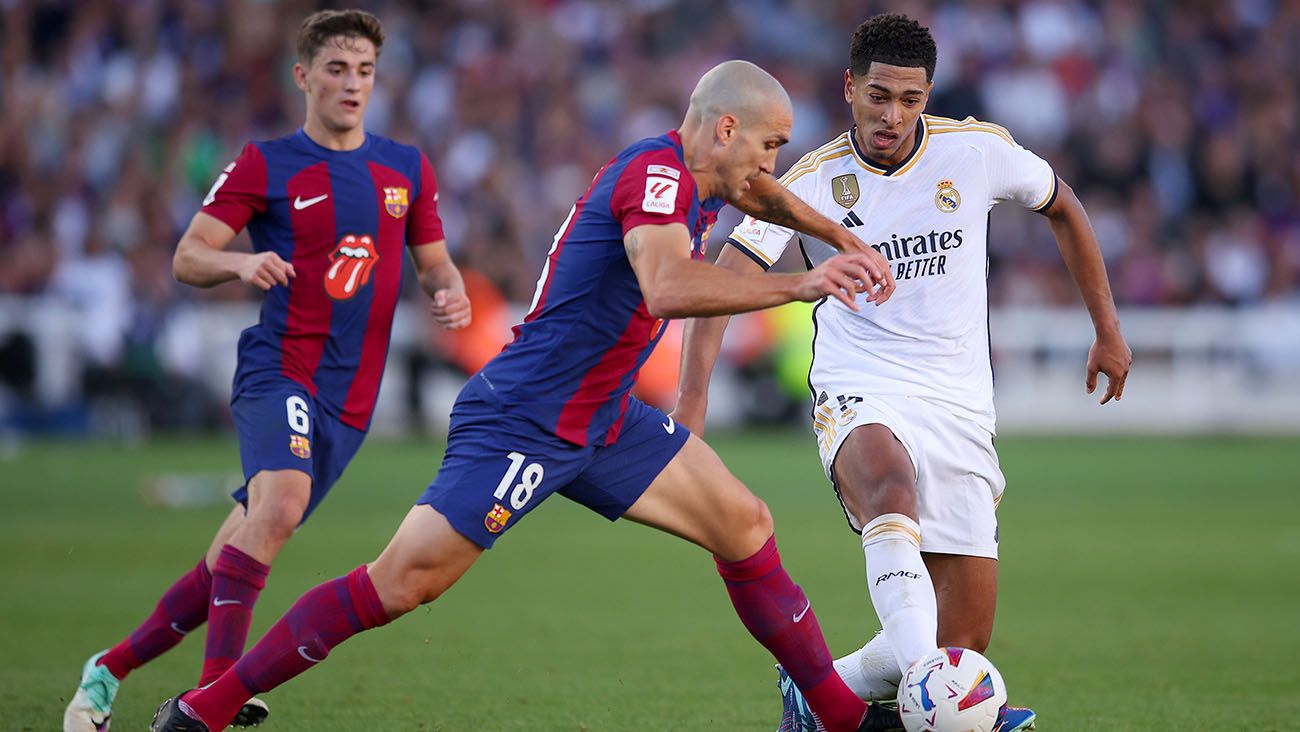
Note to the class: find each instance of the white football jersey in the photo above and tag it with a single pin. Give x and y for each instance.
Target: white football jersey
(929, 215)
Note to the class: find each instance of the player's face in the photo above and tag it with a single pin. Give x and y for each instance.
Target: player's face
(886, 101)
(338, 82)
(751, 150)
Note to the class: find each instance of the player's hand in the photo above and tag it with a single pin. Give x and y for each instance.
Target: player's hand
(450, 309)
(1111, 356)
(883, 284)
(265, 270)
(843, 277)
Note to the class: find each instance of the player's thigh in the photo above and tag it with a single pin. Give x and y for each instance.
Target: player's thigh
(959, 483)
(423, 559)
(696, 498)
(288, 441)
(873, 470)
(496, 469)
(275, 425)
(966, 588)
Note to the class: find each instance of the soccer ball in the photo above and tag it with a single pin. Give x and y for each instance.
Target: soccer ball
(951, 690)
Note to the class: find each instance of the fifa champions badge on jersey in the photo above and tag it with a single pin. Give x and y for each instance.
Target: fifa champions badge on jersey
(844, 189)
(947, 199)
(496, 519)
(350, 266)
(300, 446)
(396, 202)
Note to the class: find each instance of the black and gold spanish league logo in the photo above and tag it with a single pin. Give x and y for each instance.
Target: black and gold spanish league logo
(844, 189)
(947, 199)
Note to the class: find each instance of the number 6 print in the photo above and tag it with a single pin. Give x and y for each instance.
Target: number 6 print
(299, 420)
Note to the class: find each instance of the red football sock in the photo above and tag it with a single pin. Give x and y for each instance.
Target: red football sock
(182, 608)
(778, 615)
(237, 580)
(324, 617)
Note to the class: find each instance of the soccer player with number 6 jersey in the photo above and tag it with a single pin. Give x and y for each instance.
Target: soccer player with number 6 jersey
(332, 211)
(903, 394)
(552, 413)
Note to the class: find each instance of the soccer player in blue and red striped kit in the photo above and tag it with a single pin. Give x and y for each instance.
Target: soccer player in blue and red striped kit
(332, 211)
(552, 412)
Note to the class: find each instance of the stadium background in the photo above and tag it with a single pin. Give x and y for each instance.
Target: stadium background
(1149, 579)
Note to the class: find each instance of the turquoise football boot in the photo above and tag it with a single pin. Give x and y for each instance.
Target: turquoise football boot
(92, 706)
(795, 714)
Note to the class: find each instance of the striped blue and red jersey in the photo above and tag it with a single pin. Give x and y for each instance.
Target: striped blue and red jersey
(575, 357)
(344, 220)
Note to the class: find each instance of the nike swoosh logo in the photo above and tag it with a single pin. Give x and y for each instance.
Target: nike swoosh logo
(299, 204)
(178, 628)
(302, 651)
(671, 427)
(219, 603)
(803, 612)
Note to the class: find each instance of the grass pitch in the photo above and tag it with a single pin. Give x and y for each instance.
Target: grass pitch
(1147, 584)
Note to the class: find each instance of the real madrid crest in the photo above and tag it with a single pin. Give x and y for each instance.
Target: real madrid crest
(844, 189)
(947, 199)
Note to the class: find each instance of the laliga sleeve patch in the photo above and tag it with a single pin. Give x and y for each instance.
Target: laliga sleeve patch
(660, 195)
(752, 229)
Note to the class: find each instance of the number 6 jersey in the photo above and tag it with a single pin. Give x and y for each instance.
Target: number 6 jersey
(344, 220)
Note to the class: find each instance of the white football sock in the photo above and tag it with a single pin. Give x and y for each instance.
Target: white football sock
(900, 586)
(871, 671)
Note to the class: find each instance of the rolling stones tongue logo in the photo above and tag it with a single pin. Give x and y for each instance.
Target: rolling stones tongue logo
(350, 265)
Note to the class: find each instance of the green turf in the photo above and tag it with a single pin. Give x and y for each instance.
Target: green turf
(1147, 584)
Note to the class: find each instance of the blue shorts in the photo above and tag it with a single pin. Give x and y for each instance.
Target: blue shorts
(499, 466)
(280, 426)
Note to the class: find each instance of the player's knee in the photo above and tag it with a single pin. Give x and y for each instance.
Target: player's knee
(279, 514)
(415, 588)
(762, 518)
(880, 492)
(750, 528)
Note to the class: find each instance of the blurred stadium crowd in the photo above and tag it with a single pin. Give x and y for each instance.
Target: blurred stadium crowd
(1174, 121)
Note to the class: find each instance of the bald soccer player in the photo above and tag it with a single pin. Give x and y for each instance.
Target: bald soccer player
(552, 412)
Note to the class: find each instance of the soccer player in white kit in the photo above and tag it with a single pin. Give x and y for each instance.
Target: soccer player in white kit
(903, 393)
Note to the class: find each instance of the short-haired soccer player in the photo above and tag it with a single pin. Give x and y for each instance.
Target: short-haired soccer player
(903, 394)
(332, 211)
(552, 412)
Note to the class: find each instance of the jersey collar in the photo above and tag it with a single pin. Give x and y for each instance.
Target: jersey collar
(305, 140)
(918, 146)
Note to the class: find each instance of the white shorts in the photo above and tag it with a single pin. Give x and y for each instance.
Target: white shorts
(958, 480)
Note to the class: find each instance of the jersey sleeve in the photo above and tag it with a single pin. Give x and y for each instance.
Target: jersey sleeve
(654, 188)
(762, 241)
(424, 225)
(239, 193)
(1019, 176)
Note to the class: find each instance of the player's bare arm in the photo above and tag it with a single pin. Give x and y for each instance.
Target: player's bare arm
(201, 258)
(701, 344)
(1109, 353)
(441, 281)
(676, 286)
(768, 200)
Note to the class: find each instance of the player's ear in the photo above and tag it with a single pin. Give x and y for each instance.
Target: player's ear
(300, 76)
(848, 85)
(727, 129)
